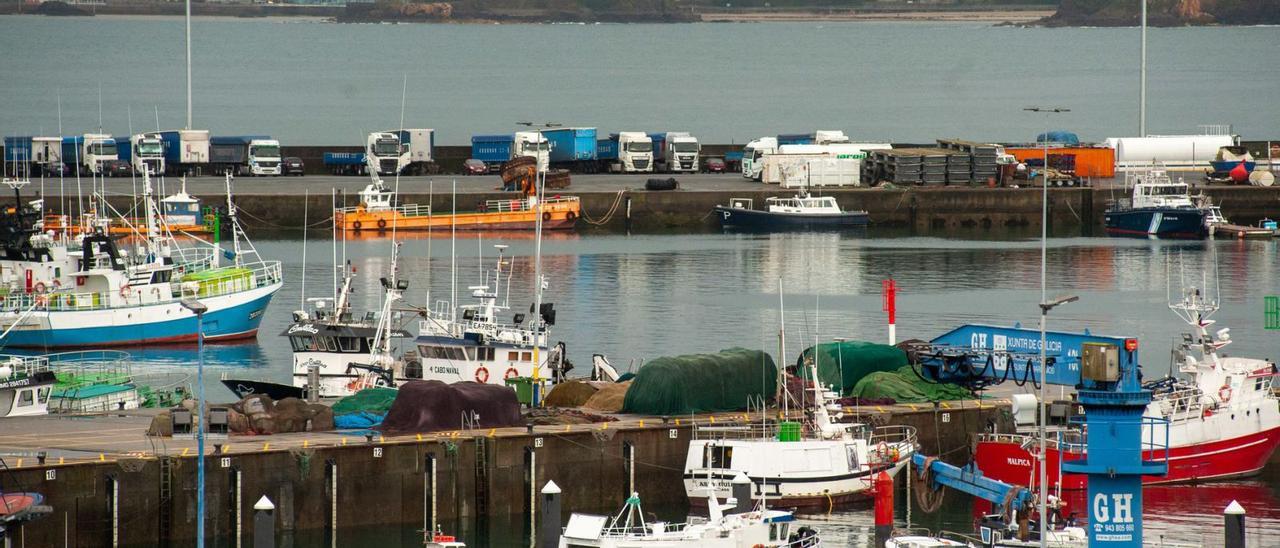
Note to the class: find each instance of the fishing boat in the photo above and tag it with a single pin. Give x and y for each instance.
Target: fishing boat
(85, 291)
(820, 463)
(629, 529)
(1223, 419)
(378, 210)
(25, 385)
(1158, 208)
(479, 347)
(179, 214)
(800, 212)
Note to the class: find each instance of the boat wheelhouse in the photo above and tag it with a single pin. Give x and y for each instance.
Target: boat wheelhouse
(802, 212)
(1158, 207)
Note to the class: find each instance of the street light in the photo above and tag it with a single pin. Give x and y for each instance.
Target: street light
(1045, 307)
(199, 308)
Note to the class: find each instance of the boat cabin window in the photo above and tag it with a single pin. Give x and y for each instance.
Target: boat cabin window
(452, 353)
(526, 356)
(1261, 384)
(717, 456)
(778, 531)
(304, 343)
(42, 395)
(349, 344)
(853, 456)
(513, 356)
(161, 276)
(1167, 190)
(26, 397)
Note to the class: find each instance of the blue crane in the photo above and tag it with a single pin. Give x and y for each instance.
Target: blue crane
(1107, 378)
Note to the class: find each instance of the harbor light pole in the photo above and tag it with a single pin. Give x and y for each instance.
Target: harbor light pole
(1045, 307)
(1142, 77)
(199, 309)
(188, 3)
(538, 192)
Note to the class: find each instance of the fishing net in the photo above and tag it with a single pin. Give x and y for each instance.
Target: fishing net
(570, 394)
(905, 386)
(701, 383)
(852, 359)
(431, 406)
(609, 398)
(371, 400)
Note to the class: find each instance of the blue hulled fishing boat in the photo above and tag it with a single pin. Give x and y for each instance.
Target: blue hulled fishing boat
(1159, 208)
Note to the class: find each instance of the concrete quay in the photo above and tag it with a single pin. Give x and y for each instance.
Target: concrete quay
(275, 202)
(110, 484)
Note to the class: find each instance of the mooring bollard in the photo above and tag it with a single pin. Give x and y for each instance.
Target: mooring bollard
(549, 522)
(264, 523)
(882, 486)
(1233, 517)
(742, 493)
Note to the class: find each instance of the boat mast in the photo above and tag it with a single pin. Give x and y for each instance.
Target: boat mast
(188, 21)
(1142, 78)
(782, 353)
(540, 183)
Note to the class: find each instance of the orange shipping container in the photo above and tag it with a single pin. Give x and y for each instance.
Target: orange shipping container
(1090, 161)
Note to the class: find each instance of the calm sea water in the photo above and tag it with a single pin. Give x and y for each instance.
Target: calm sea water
(308, 82)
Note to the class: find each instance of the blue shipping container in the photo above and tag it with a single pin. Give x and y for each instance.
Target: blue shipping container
(607, 149)
(124, 149)
(572, 144)
(171, 141)
(491, 148)
(17, 149)
(343, 158)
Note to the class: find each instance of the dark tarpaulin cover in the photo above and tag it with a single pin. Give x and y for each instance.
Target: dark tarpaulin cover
(432, 406)
(701, 383)
(855, 359)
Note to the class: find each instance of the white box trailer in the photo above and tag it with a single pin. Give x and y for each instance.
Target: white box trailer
(1172, 152)
(823, 172)
(774, 166)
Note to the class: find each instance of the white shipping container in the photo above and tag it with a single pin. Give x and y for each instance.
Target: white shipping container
(1170, 151)
(823, 172)
(774, 165)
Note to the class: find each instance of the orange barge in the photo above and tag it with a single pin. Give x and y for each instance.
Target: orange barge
(378, 212)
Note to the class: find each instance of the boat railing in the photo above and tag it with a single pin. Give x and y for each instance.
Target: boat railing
(404, 210)
(893, 434)
(1070, 441)
(523, 204)
(24, 366)
(1154, 444)
(233, 281)
(750, 431)
(648, 530)
(1181, 405)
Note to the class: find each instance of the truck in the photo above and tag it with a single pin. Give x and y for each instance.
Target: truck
(186, 151)
(402, 151)
(819, 137)
(627, 151)
(675, 151)
(494, 150)
(753, 155)
(32, 156)
(143, 150)
(573, 148)
(245, 155)
(768, 160)
(89, 152)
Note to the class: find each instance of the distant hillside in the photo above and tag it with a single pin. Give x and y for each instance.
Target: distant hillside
(1165, 13)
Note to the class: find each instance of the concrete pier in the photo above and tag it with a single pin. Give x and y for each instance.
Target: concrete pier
(108, 483)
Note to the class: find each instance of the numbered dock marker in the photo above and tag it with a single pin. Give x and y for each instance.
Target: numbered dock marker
(377, 452)
(673, 433)
(50, 475)
(946, 417)
(225, 462)
(537, 442)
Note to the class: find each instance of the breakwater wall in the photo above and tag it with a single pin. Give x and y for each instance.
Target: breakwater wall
(327, 485)
(1071, 210)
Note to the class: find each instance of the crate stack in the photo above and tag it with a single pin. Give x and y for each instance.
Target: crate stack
(900, 166)
(982, 161)
(935, 166)
(959, 169)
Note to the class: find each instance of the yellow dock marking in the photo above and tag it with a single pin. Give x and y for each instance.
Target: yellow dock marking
(62, 460)
(266, 446)
(185, 450)
(604, 426)
(912, 406)
(227, 448)
(19, 464)
(677, 422)
(880, 409)
(641, 423)
(946, 405)
(492, 431)
(419, 437)
(344, 440)
(102, 457)
(305, 443)
(381, 439)
(713, 419)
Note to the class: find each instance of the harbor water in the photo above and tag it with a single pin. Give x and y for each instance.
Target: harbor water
(637, 297)
(306, 82)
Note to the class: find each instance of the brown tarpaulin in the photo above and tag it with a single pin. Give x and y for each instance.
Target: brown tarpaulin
(431, 406)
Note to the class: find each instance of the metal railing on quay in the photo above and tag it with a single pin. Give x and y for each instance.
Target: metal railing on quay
(892, 434)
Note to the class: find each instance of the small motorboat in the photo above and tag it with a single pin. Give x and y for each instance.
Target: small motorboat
(629, 529)
(800, 212)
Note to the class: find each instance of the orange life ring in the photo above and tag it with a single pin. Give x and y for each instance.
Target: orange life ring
(511, 373)
(382, 223)
(570, 216)
(124, 291)
(482, 375)
(1224, 393)
(546, 216)
(57, 284)
(40, 287)
(356, 225)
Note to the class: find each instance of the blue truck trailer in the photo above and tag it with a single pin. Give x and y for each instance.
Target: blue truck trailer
(574, 149)
(345, 163)
(186, 151)
(493, 150)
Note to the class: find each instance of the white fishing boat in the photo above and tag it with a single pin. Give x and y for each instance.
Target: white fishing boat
(630, 529)
(25, 385)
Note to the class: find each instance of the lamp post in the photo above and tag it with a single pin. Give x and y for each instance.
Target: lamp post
(1142, 77)
(190, 303)
(1045, 307)
(540, 183)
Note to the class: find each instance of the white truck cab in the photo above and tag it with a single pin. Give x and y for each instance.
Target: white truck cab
(405, 151)
(534, 145)
(383, 151)
(148, 152)
(753, 155)
(681, 152)
(635, 151)
(96, 150)
(264, 157)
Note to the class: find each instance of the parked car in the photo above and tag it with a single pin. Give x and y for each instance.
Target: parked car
(714, 165)
(291, 166)
(474, 167)
(117, 168)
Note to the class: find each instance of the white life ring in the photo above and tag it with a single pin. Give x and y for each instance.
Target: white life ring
(125, 291)
(482, 375)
